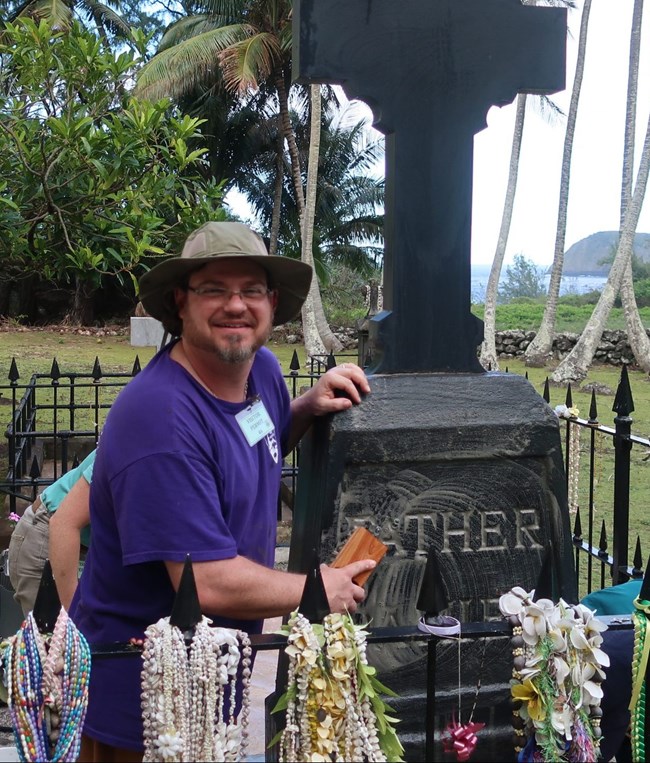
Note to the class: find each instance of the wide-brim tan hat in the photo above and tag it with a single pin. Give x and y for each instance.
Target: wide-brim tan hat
(228, 240)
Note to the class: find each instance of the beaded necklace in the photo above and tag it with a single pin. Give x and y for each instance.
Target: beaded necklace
(47, 685)
(189, 694)
(333, 708)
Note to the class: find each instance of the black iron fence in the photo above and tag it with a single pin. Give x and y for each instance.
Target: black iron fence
(55, 419)
(599, 492)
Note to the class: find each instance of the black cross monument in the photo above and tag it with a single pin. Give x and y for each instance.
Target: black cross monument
(440, 456)
(430, 70)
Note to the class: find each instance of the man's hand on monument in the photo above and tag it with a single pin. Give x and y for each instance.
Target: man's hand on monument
(343, 594)
(340, 388)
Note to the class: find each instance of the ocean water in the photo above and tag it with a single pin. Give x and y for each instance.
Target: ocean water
(569, 284)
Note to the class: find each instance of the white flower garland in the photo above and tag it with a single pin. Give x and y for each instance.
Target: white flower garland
(186, 692)
(333, 708)
(556, 677)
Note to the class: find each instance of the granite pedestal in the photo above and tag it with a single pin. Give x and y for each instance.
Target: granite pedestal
(471, 465)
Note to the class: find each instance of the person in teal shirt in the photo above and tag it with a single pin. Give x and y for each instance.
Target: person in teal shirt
(28, 547)
(614, 600)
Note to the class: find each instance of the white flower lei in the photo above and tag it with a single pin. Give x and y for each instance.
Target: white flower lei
(185, 692)
(556, 677)
(333, 708)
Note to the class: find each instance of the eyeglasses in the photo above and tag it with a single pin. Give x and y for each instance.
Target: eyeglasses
(252, 295)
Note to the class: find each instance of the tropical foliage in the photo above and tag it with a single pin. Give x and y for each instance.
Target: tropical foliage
(348, 219)
(100, 182)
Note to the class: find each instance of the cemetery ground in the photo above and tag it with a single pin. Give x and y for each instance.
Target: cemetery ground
(76, 349)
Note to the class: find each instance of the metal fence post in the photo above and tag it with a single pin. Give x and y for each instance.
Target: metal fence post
(623, 406)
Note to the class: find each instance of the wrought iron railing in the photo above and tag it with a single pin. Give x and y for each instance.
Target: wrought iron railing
(55, 415)
(613, 445)
(56, 418)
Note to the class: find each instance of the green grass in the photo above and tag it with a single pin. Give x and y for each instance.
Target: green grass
(603, 494)
(572, 318)
(34, 352)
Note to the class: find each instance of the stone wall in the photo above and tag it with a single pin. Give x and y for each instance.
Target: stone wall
(613, 348)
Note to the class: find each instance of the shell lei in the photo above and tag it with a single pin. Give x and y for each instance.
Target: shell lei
(189, 694)
(47, 677)
(333, 708)
(639, 687)
(558, 669)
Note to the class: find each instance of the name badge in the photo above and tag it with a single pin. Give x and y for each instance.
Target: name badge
(255, 422)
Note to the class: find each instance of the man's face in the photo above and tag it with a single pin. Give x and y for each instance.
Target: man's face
(232, 326)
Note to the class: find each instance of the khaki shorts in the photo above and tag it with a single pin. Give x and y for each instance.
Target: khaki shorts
(28, 552)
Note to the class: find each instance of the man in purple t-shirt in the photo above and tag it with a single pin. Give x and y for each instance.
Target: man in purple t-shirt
(189, 462)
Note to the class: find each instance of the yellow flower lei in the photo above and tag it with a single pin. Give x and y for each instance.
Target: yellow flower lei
(558, 668)
(332, 703)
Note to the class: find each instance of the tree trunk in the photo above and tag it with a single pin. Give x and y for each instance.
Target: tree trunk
(488, 348)
(539, 350)
(82, 308)
(290, 137)
(277, 197)
(636, 333)
(318, 336)
(574, 366)
(311, 335)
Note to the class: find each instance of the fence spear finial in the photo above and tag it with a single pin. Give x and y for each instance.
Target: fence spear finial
(623, 402)
(314, 604)
(186, 611)
(547, 587)
(55, 373)
(432, 598)
(13, 371)
(48, 604)
(97, 370)
(593, 409)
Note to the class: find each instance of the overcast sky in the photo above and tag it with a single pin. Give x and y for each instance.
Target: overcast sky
(597, 153)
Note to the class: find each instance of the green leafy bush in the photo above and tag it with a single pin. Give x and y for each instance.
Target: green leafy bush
(100, 182)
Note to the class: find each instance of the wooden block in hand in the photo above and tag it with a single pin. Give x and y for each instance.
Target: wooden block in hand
(362, 544)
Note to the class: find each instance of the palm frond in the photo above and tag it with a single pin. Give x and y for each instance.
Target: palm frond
(187, 27)
(183, 67)
(104, 15)
(246, 63)
(57, 12)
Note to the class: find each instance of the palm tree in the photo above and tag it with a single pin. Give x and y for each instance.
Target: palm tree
(637, 336)
(539, 349)
(488, 356)
(249, 42)
(348, 228)
(246, 43)
(61, 14)
(574, 366)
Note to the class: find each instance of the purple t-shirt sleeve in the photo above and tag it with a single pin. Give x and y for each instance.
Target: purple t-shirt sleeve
(188, 520)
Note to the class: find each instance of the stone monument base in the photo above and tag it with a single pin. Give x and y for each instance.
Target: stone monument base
(469, 465)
